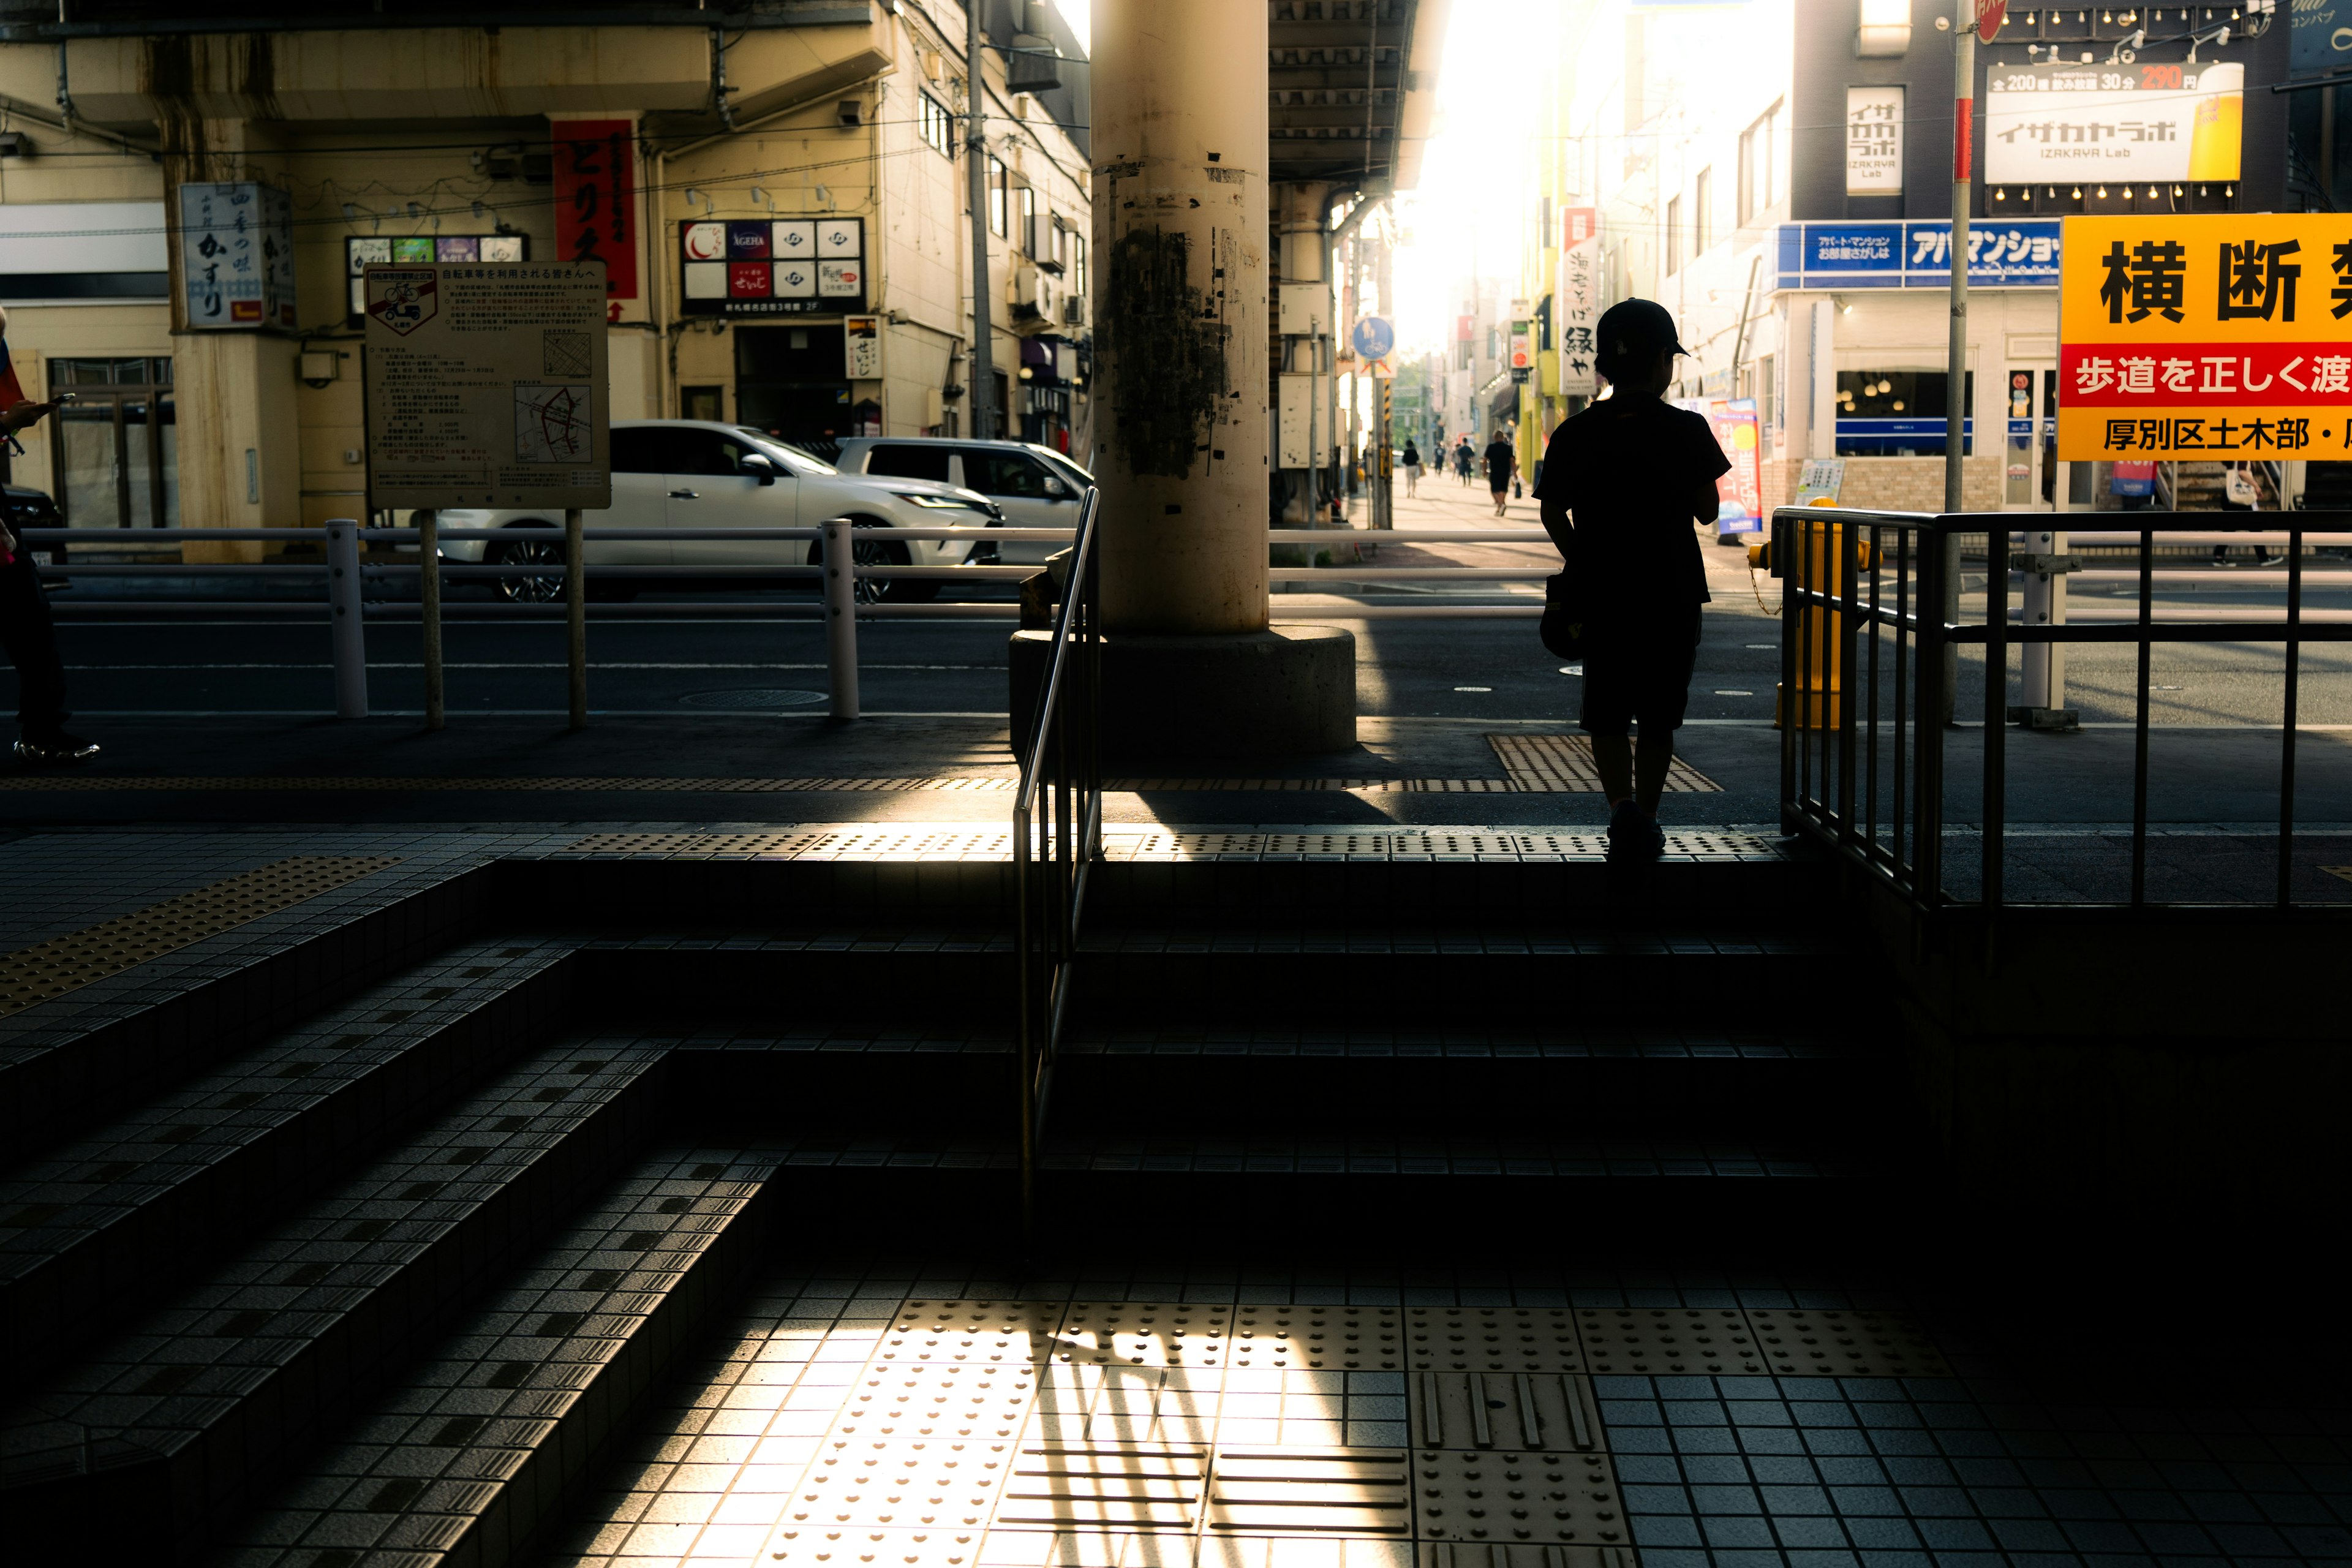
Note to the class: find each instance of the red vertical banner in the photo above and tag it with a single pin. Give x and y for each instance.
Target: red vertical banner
(595, 199)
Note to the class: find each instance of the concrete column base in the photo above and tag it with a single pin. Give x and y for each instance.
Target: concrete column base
(1282, 693)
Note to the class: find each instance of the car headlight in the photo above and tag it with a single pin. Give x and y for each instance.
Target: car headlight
(935, 503)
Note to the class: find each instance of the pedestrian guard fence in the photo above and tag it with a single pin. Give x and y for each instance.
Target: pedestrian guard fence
(1877, 609)
(847, 597)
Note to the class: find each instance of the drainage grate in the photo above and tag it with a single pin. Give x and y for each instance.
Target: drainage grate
(1563, 764)
(69, 962)
(752, 697)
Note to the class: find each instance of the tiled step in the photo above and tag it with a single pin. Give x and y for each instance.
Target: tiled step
(155, 1192)
(861, 974)
(1450, 1187)
(473, 1451)
(165, 1430)
(716, 890)
(67, 1064)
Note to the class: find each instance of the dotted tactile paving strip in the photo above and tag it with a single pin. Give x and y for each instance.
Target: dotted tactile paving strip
(953, 843)
(65, 964)
(1563, 764)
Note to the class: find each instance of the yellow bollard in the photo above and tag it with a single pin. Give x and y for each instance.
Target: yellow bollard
(1817, 695)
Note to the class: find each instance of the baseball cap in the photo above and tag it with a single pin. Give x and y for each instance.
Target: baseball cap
(1634, 329)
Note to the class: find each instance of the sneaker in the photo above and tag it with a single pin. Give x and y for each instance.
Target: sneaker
(1633, 836)
(57, 751)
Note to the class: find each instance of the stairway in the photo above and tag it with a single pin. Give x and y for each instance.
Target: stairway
(385, 1281)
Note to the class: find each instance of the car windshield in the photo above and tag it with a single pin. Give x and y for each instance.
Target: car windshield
(1063, 465)
(791, 455)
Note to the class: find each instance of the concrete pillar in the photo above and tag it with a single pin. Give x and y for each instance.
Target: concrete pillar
(1180, 144)
(1191, 668)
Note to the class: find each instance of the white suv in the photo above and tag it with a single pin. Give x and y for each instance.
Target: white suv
(692, 473)
(1036, 486)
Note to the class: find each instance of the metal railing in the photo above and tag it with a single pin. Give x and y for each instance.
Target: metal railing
(1869, 628)
(1057, 837)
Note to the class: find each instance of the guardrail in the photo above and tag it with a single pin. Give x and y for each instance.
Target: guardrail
(1862, 756)
(1057, 838)
(346, 571)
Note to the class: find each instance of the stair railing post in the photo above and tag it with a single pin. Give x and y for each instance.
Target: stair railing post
(428, 592)
(575, 614)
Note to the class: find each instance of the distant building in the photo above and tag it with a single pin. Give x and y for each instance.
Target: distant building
(1778, 174)
(696, 160)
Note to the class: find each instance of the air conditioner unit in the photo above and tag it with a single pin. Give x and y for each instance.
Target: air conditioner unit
(1073, 310)
(1029, 292)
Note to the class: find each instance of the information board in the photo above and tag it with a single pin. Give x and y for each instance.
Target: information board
(2214, 336)
(487, 386)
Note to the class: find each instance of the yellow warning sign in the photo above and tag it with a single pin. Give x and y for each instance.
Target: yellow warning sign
(2222, 336)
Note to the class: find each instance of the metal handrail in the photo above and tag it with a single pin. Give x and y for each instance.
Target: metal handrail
(1870, 784)
(1060, 802)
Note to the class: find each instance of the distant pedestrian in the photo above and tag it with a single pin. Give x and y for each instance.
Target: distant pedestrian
(1502, 461)
(1463, 458)
(27, 632)
(1623, 481)
(1412, 467)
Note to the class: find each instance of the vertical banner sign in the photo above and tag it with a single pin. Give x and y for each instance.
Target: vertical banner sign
(595, 198)
(1739, 494)
(486, 385)
(2216, 336)
(1576, 299)
(1523, 350)
(236, 256)
(862, 341)
(1874, 140)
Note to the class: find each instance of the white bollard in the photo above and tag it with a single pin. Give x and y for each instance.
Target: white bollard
(345, 613)
(840, 586)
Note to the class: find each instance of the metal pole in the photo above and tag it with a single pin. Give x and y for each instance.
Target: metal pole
(576, 615)
(345, 614)
(428, 587)
(975, 142)
(841, 615)
(1956, 366)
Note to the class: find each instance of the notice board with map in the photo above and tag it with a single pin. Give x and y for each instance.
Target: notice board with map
(486, 385)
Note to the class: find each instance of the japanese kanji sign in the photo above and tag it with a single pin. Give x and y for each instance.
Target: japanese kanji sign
(486, 385)
(596, 198)
(1576, 302)
(2204, 337)
(2113, 123)
(236, 256)
(1873, 142)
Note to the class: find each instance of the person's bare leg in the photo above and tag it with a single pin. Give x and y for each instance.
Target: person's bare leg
(1613, 759)
(1652, 755)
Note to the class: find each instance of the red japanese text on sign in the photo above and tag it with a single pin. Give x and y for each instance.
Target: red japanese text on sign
(595, 199)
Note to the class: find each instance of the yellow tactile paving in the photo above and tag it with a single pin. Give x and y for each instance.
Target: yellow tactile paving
(67, 962)
(1544, 764)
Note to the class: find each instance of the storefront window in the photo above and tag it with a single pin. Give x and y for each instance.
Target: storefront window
(115, 447)
(1896, 413)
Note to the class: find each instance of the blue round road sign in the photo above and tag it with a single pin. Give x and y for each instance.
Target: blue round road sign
(1373, 338)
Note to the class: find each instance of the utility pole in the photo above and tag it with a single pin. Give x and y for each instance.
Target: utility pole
(975, 142)
(1956, 373)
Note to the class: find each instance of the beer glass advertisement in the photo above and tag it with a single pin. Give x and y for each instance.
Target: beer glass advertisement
(2113, 123)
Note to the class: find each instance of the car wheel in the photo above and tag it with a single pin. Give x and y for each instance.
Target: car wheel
(537, 588)
(868, 551)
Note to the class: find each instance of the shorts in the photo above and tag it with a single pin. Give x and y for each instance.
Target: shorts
(1639, 672)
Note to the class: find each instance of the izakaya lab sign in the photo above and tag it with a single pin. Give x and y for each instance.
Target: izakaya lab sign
(2208, 337)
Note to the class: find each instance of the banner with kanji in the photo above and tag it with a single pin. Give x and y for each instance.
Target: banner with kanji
(595, 198)
(2214, 337)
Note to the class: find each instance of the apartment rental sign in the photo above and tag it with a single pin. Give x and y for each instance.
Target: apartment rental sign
(2221, 336)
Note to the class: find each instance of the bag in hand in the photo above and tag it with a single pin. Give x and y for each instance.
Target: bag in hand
(1563, 619)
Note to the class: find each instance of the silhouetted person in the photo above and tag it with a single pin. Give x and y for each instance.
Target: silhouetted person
(1623, 482)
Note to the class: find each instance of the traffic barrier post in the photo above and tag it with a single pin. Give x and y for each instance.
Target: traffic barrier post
(841, 615)
(347, 627)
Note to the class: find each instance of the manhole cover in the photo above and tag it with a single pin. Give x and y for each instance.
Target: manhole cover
(752, 698)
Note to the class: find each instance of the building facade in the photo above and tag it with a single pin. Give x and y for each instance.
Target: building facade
(1795, 216)
(703, 164)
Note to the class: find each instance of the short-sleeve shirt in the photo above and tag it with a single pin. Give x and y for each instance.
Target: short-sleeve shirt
(1626, 480)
